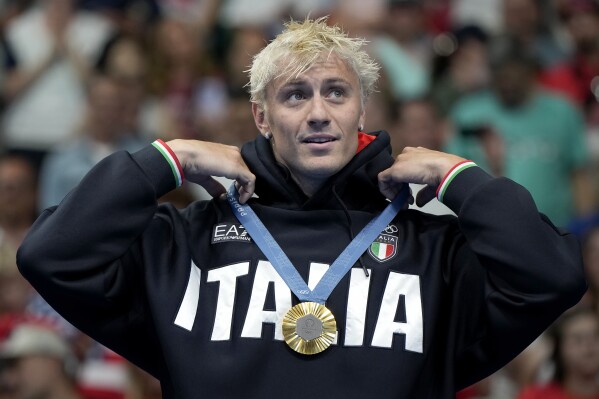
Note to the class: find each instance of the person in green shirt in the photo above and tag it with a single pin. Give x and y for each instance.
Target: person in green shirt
(533, 137)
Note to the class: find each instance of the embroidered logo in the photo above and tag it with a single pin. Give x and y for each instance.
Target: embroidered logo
(385, 246)
(226, 232)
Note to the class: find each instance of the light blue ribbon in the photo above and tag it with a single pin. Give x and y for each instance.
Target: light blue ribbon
(265, 241)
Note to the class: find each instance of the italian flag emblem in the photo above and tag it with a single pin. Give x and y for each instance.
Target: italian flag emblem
(383, 248)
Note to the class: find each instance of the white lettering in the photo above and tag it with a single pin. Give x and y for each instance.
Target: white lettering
(227, 278)
(189, 305)
(232, 230)
(256, 316)
(357, 301)
(219, 231)
(398, 285)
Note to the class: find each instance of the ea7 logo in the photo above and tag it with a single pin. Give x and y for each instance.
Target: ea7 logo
(230, 232)
(383, 248)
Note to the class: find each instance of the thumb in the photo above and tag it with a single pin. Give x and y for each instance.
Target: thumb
(425, 195)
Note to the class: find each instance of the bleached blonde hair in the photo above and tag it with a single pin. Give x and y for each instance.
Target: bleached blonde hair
(299, 46)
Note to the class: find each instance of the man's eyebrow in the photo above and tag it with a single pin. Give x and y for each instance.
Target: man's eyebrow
(293, 83)
(337, 81)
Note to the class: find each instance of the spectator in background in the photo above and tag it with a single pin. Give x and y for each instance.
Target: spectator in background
(405, 51)
(53, 46)
(590, 253)
(577, 77)
(524, 26)
(40, 364)
(464, 71)
(103, 133)
(233, 126)
(178, 69)
(124, 59)
(575, 357)
(418, 125)
(530, 136)
(483, 13)
(131, 17)
(574, 76)
(143, 385)
(244, 42)
(200, 15)
(18, 199)
(9, 9)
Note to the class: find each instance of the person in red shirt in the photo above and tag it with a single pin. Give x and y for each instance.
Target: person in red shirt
(576, 359)
(574, 78)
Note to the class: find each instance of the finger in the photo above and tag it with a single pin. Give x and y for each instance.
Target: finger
(387, 186)
(246, 185)
(425, 196)
(213, 187)
(389, 190)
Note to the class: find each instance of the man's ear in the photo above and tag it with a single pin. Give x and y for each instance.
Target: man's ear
(362, 119)
(260, 119)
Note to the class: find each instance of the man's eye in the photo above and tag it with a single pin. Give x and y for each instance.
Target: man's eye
(336, 93)
(296, 96)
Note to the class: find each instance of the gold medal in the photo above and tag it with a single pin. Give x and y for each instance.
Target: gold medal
(309, 328)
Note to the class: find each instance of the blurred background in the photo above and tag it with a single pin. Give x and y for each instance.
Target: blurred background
(510, 84)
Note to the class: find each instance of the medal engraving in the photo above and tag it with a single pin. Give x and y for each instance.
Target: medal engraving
(309, 328)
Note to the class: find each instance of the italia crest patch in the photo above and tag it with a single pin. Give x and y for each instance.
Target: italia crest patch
(385, 246)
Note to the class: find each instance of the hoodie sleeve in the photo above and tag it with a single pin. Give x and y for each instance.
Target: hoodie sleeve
(84, 256)
(512, 272)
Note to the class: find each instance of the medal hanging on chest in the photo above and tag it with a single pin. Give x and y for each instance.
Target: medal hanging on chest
(310, 327)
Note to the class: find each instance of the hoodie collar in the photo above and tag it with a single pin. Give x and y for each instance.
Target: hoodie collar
(356, 184)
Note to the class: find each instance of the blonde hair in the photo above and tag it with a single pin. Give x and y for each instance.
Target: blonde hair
(301, 45)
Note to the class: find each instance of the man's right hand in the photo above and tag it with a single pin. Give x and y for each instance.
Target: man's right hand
(201, 160)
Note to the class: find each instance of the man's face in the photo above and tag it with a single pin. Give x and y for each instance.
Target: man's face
(314, 120)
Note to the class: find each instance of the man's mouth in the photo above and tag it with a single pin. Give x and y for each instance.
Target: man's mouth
(318, 139)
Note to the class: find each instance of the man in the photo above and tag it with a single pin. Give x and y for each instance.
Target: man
(53, 46)
(188, 296)
(508, 130)
(103, 132)
(39, 364)
(18, 192)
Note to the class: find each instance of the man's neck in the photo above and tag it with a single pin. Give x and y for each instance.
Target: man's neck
(308, 186)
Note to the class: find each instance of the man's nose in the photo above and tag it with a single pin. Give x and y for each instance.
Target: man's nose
(318, 118)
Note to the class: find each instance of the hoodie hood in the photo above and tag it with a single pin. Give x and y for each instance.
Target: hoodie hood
(356, 184)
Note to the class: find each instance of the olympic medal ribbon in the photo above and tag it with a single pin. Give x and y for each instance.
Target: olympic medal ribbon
(265, 241)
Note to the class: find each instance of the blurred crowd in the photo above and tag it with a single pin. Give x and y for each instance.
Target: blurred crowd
(510, 84)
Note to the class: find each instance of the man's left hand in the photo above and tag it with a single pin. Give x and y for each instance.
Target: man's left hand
(417, 165)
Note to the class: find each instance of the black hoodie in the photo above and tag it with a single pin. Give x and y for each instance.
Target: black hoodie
(188, 296)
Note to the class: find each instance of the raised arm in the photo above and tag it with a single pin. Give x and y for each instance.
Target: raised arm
(86, 256)
(510, 271)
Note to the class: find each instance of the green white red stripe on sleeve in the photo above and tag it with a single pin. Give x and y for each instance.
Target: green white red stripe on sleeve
(453, 172)
(172, 160)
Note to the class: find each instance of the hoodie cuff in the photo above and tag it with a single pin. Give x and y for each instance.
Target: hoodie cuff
(461, 184)
(161, 166)
(449, 176)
